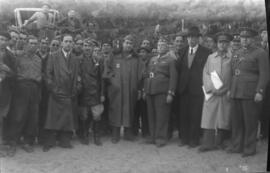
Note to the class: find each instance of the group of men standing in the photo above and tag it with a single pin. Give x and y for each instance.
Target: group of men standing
(77, 86)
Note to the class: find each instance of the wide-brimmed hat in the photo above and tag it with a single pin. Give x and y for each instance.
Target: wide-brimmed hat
(193, 31)
(247, 32)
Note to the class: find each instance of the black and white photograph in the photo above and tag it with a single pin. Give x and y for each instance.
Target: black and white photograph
(134, 86)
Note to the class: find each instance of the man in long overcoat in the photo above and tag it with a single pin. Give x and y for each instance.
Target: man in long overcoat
(190, 66)
(63, 82)
(217, 109)
(123, 89)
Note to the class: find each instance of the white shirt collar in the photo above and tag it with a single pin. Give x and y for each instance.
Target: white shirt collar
(194, 49)
(65, 53)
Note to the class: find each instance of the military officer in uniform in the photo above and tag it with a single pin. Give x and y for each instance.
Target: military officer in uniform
(160, 89)
(251, 73)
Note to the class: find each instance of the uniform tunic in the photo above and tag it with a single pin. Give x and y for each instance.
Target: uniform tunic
(217, 110)
(162, 79)
(123, 75)
(250, 68)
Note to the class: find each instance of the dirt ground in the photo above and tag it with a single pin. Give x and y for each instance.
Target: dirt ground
(132, 157)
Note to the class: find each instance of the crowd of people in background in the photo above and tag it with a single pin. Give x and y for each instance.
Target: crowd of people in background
(62, 83)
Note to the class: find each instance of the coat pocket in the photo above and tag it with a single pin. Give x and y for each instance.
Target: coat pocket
(250, 89)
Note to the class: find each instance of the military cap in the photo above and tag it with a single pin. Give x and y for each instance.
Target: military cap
(129, 37)
(223, 36)
(194, 31)
(5, 34)
(247, 32)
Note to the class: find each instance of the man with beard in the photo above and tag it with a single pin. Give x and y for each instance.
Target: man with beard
(90, 97)
(190, 68)
(63, 82)
(23, 117)
(123, 89)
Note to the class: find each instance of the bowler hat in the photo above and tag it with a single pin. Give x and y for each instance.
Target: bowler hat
(193, 31)
(247, 32)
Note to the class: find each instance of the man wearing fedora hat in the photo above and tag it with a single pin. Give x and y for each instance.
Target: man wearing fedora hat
(190, 68)
(250, 66)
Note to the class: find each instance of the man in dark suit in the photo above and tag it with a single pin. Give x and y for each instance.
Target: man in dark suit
(190, 67)
(250, 67)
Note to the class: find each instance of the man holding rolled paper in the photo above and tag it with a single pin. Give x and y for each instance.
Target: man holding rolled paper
(216, 85)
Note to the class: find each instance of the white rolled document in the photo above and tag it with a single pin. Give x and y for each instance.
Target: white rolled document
(217, 82)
